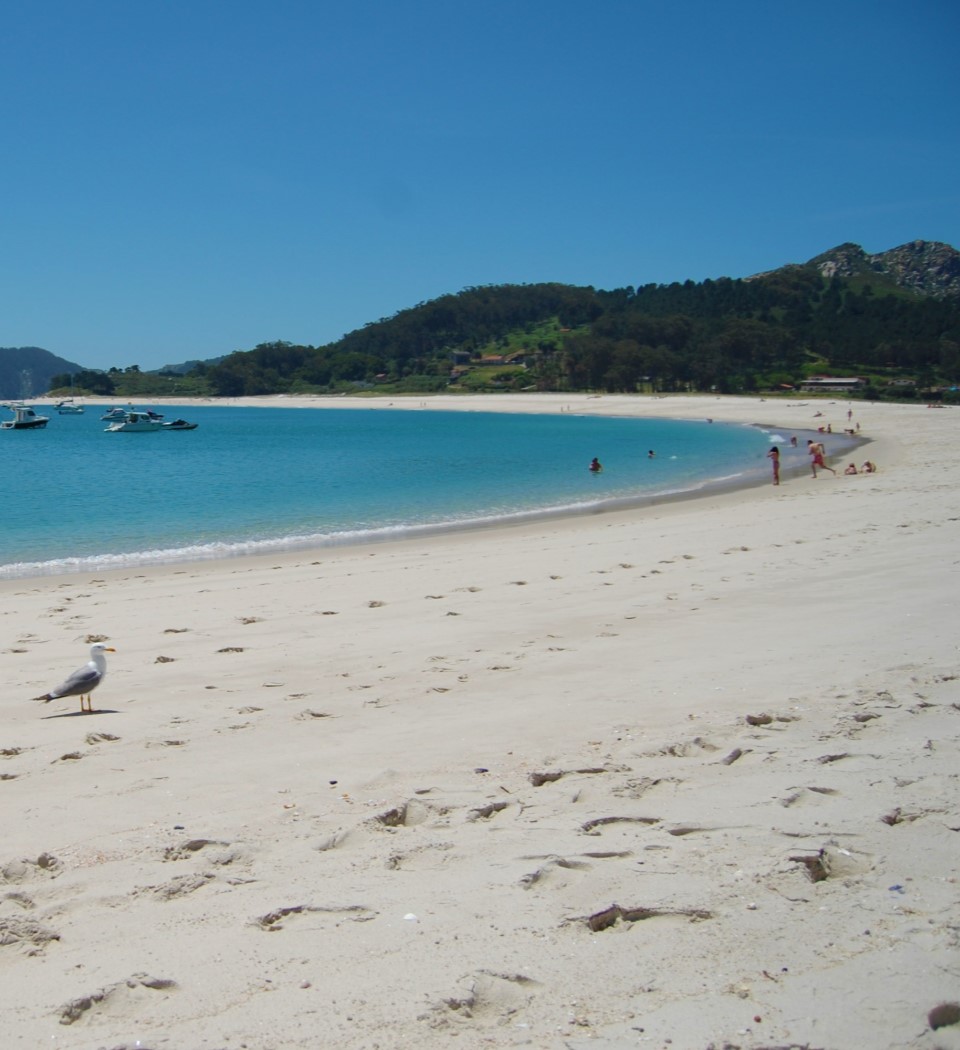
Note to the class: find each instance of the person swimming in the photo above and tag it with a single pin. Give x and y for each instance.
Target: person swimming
(596, 467)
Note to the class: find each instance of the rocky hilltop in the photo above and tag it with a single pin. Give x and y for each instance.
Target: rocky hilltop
(26, 371)
(928, 268)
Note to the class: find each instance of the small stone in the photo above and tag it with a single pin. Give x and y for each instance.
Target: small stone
(943, 1015)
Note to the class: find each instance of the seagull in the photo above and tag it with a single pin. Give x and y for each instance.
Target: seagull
(83, 682)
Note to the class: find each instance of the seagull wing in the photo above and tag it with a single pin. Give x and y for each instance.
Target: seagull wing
(79, 683)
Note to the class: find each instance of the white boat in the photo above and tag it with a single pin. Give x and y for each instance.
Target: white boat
(24, 418)
(113, 415)
(134, 421)
(69, 407)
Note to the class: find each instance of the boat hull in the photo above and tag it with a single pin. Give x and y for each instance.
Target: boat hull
(33, 424)
(24, 418)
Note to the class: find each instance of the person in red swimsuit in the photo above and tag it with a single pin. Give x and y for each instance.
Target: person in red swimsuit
(816, 451)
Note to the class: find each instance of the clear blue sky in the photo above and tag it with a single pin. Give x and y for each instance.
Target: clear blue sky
(185, 178)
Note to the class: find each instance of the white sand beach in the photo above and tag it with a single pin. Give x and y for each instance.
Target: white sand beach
(679, 776)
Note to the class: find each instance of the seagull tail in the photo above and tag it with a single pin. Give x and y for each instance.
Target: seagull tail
(46, 698)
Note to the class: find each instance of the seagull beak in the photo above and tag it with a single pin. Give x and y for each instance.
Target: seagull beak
(110, 649)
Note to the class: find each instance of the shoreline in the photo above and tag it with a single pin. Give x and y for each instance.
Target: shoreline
(682, 776)
(623, 406)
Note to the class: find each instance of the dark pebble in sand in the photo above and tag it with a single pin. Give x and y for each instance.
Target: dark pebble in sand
(943, 1015)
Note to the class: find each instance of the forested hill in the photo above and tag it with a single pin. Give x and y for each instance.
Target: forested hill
(27, 371)
(893, 318)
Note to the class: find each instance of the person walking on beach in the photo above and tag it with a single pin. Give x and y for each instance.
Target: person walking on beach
(817, 452)
(774, 456)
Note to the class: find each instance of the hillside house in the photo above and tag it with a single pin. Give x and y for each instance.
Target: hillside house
(835, 384)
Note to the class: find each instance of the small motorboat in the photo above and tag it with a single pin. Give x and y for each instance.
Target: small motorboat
(24, 418)
(115, 415)
(134, 421)
(180, 424)
(69, 408)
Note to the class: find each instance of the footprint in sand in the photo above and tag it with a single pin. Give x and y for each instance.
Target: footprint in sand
(610, 917)
(591, 827)
(550, 871)
(190, 848)
(119, 999)
(488, 997)
(15, 931)
(408, 814)
(487, 811)
(427, 857)
(177, 887)
(274, 920)
(17, 871)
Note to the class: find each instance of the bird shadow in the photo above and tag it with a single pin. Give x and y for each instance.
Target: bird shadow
(82, 714)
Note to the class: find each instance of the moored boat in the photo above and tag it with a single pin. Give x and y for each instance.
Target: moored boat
(134, 421)
(114, 415)
(180, 424)
(24, 418)
(69, 407)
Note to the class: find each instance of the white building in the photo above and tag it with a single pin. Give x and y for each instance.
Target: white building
(835, 383)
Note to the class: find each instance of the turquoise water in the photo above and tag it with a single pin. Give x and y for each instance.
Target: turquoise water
(262, 479)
